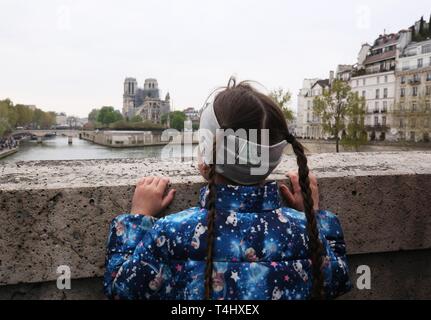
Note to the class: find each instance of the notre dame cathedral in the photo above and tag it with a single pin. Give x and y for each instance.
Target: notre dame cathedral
(144, 102)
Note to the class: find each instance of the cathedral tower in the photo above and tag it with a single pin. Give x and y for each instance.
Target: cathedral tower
(129, 92)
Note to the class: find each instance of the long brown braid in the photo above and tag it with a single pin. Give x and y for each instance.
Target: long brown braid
(212, 195)
(316, 246)
(258, 111)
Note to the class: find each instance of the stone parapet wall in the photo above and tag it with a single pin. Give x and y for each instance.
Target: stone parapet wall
(57, 213)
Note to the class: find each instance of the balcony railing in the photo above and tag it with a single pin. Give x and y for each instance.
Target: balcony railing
(415, 81)
(362, 72)
(415, 67)
(377, 127)
(314, 121)
(417, 111)
(374, 111)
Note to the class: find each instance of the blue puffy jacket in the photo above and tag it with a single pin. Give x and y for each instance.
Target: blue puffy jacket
(260, 251)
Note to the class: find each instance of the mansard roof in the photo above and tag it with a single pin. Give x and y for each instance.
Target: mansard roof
(323, 83)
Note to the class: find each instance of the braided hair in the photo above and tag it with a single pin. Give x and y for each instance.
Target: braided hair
(315, 245)
(212, 196)
(258, 111)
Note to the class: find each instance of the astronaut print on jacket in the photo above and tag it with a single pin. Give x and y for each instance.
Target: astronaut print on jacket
(260, 251)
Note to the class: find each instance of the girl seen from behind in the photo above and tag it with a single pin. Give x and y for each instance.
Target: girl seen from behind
(239, 242)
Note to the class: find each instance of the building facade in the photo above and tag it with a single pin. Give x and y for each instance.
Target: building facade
(412, 114)
(394, 76)
(308, 124)
(144, 102)
(305, 108)
(61, 119)
(192, 115)
(374, 79)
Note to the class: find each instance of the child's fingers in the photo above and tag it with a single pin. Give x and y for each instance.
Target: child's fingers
(294, 180)
(168, 198)
(155, 182)
(162, 184)
(149, 180)
(288, 196)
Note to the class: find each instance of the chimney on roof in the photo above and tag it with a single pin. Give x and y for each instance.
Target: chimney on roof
(404, 40)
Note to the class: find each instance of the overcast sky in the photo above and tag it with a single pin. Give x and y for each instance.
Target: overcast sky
(73, 55)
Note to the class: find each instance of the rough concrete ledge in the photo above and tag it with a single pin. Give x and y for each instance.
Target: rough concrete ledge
(24, 175)
(57, 212)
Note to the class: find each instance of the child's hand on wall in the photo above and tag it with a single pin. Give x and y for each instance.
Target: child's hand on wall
(294, 198)
(150, 196)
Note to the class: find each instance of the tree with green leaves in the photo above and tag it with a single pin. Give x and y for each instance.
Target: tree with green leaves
(282, 99)
(333, 108)
(421, 27)
(6, 109)
(48, 119)
(136, 118)
(355, 133)
(176, 119)
(38, 118)
(108, 115)
(8, 115)
(93, 115)
(24, 115)
(21, 115)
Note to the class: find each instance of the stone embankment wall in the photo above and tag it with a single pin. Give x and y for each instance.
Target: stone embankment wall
(127, 139)
(56, 213)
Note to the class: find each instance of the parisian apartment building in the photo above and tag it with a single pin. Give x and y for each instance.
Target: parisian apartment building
(394, 76)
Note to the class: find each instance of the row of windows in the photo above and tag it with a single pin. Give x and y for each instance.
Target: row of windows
(415, 79)
(425, 136)
(377, 123)
(154, 105)
(377, 93)
(420, 63)
(130, 88)
(414, 91)
(383, 50)
(312, 117)
(426, 48)
(377, 106)
(413, 123)
(364, 80)
(414, 106)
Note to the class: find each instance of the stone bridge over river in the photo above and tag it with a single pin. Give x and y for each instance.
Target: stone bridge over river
(43, 133)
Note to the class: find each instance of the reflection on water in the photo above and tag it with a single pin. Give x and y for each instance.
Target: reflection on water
(58, 149)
